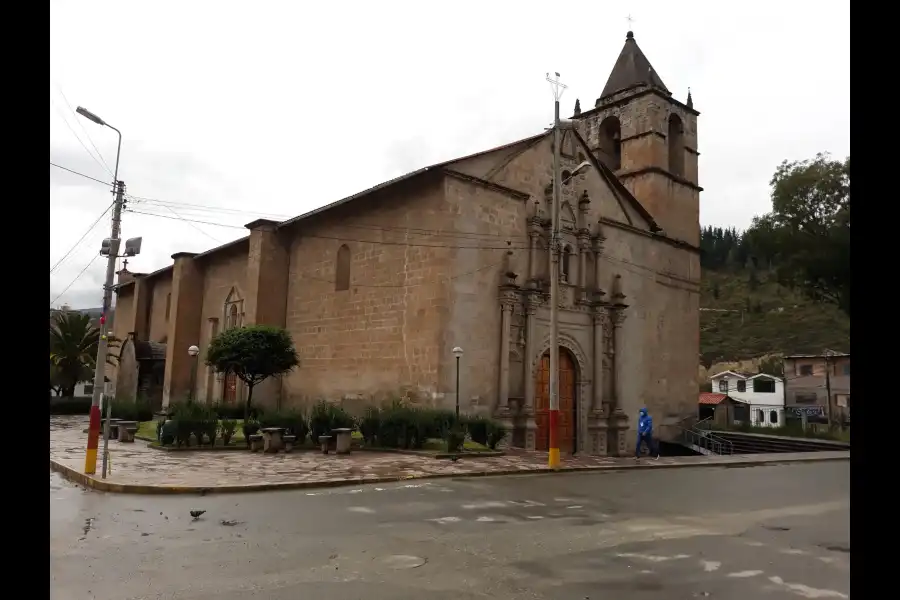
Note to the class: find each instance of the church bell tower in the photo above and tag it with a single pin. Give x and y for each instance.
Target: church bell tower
(649, 140)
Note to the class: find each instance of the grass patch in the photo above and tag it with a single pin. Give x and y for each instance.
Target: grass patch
(439, 445)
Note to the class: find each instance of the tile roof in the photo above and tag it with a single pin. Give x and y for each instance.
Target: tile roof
(711, 398)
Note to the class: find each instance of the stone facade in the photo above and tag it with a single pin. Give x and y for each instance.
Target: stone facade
(377, 289)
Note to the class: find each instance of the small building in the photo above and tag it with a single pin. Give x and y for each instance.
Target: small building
(810, 377)
(722, 409)
(762, 394)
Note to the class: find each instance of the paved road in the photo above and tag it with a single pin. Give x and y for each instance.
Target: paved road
(779, 532)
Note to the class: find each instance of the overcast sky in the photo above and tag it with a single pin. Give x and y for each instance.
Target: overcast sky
(274, 107)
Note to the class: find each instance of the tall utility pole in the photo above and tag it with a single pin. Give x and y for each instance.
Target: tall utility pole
(90, 458)
(553, 454)
(828, 390)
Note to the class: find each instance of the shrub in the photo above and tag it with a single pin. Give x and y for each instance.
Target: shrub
(370, 425)
(73, 405)
(131, 410)
(496, 434)
(326, 417)
(250, 427)
(455, 438)
(478, 428)
(193, 419)
(293, 420)
(229, 411)
(227, 428)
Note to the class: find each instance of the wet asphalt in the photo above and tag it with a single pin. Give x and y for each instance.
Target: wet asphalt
(733, 533)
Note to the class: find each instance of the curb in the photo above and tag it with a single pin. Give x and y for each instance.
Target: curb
(100, 485)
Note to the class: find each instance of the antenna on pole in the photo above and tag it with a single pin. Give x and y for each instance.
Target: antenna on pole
(556, 86)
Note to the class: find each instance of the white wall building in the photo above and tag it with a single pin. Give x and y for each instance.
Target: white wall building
(763, 394)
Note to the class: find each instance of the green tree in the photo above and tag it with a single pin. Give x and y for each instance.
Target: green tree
(772, 365)
(808, 229)
(73, 351)
(253, 354)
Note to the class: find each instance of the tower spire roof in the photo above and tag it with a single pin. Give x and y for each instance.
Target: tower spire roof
(631, 70)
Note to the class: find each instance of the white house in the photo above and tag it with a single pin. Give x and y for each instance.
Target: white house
(762, 394)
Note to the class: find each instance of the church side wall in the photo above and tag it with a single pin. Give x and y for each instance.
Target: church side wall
(379, 338)
(222, 271)
(160, 296)
(121, 326)
(474, 307)
(660, 337)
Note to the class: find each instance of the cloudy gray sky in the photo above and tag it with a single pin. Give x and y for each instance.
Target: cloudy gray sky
(233, 110)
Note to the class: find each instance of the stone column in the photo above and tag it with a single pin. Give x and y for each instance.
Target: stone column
(184, 326)
(532, 254)
(597, 400)
(619, 420)
(506, 307)
(531, 305)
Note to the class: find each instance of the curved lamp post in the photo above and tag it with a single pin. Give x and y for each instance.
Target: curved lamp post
(457, 352)
(193, 352)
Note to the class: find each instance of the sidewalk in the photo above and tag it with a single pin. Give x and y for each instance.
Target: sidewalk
(136, 468)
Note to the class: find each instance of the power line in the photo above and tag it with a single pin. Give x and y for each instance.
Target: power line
(180, 218)
(80, 126)
(53, 164)
(405, 230)
(81, 239)
(66, 121)
(344, 239)
(77, 277)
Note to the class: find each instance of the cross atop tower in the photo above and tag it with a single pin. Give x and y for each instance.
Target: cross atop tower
(630, 21)
(125, 265)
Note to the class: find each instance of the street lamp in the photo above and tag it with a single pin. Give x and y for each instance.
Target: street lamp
(457, 352)
(111, 251)
(193, 351)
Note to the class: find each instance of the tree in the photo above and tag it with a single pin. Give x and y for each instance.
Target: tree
(73, 350)
(253, 354)
(772, 365)
(808, 229)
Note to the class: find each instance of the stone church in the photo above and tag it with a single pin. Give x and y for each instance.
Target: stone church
(378, 288)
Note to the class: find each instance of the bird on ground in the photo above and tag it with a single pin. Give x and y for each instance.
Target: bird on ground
(197, 513)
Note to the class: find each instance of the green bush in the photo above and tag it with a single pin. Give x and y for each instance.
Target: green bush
(227, 428)
(455, 438)
(192, 419)
(326, 416)
(75, 405)
(131, 410)
(229, 411)
(478, 428)
(370, 424)
(496, 434)
(293, 420)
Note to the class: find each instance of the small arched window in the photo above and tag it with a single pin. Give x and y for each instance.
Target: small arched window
(773, 417)
(760, 417)
(342, 269)
(232, 317)
(676, 145)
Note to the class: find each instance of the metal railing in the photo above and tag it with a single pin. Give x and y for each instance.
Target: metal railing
(699, 434)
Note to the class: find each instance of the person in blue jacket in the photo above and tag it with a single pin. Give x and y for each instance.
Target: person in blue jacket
(645, 434)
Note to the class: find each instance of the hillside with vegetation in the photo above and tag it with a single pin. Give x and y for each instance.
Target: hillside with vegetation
(782, 286)
(748, 313)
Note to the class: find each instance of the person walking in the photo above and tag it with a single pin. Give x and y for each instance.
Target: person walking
(645, 434)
